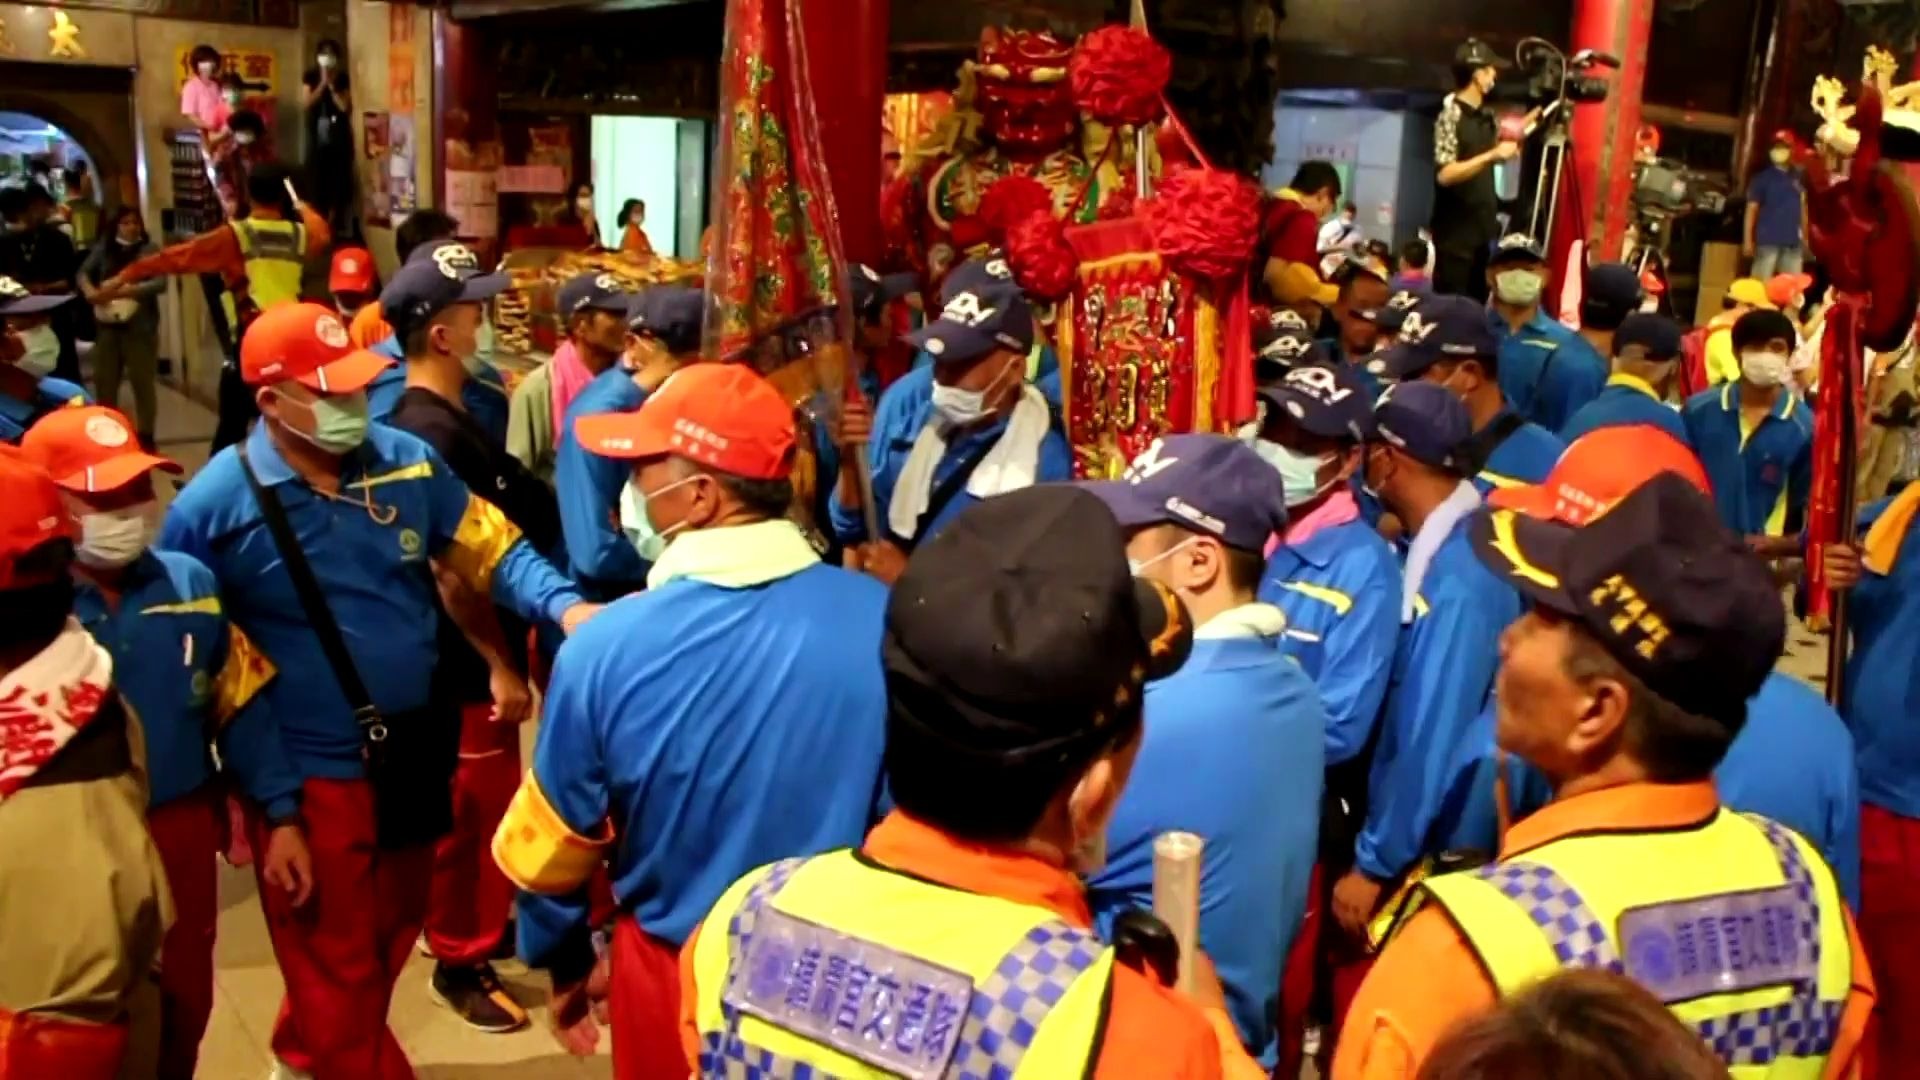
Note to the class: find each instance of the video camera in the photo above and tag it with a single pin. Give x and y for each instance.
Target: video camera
(1552, 77)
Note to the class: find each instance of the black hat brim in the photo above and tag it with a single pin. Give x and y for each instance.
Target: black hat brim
(1528, 554)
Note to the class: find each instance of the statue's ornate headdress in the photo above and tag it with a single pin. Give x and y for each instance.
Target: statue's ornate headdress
(1879, 64)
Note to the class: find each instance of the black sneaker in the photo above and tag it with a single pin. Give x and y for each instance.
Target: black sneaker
(476, 996)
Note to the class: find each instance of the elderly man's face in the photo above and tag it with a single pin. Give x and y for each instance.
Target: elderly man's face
(1538, 706)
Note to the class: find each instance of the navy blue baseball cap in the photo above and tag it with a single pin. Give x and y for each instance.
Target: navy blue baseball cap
(1288, 319)
(976, 273)
(1427, 422)
(1327, 400)
(1517, 247)
(1440, 328)
(592, 291)
(669, 313)
(446, 275)
(976, 321)
(1648, 336)
(870, 290)
(1613, 287)
(1210, 484)
(1277, 350)
(16, 300)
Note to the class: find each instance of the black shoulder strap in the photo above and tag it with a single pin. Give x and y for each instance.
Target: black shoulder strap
(314, 603)
(1483, 444)
(945, 493)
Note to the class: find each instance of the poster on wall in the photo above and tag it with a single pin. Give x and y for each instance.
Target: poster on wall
(259, 76)
(474, 202)
(373, 172)
(401, 151)
(551, 145)
(400, 58)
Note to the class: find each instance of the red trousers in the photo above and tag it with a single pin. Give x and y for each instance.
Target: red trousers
(33, 1045)
(1323, 951)
(643, 1003)
(471, 898)
(188, 832)
(341, 953)
(1889, 921)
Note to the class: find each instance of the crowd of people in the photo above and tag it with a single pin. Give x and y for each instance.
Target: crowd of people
(857, 736)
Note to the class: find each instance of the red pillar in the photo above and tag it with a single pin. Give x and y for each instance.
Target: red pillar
(846, 43)
(1596, 204)
(466, 130)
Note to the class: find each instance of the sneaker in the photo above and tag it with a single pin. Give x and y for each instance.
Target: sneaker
(475, 995)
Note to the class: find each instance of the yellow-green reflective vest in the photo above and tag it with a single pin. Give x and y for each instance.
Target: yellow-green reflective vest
(1736, 925)
(275, 253)
(831, 966)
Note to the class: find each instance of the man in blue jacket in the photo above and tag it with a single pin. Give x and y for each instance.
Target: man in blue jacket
(376, 513)
(484, 393)
(27, 349)
(663, 332)
(1447, 342)
(1452, 612)
(1646, 357)
(946, 436)
(1198, 510)
(191, 676)
(1882, 573)
(1547, 370)
(732, 714)
(1755, 435)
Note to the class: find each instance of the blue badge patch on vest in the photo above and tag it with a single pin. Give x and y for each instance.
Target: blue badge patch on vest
(1717, 944)
(893, 1011)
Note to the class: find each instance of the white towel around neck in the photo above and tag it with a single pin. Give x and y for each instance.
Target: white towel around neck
(1438, 526)
(1012, 464)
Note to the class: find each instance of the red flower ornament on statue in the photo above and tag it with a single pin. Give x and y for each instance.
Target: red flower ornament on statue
(1010, 200)
(1118, 74)
(1043, 262)
(1205, 222)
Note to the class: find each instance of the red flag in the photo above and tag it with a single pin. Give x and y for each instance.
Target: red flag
(1835, 429)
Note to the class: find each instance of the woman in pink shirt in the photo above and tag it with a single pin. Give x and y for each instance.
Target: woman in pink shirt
(201, 100)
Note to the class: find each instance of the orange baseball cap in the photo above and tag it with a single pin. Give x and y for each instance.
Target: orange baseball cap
(308, 344)
(32, 514)
(90, 449)
(1782, 288)
(1598, 470)
(352, 271)
(720, 415)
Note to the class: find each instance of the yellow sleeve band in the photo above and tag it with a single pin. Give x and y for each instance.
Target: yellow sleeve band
(538, 850)
(246, 673)
(479, 543)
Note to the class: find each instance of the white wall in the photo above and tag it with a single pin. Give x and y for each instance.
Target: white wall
(637, 157)
(1371, 146)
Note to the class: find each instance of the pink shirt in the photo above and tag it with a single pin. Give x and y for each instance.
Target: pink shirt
(200, 100)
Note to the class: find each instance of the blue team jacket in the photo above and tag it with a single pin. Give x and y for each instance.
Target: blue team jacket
(1340, 591)
(905, 408)
(1760, 479)
(186, 672)
(1232, 752)
(718, 730)
(1883, 677)
(1442, 675)
(17, 416)
(1625, 401)
(1546, 370)
(599, 555)
(1792, 762)
(374, 574)
(484, 393)
(1524, 457)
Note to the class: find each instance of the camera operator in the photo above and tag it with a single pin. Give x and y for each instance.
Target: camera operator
(1466, 146)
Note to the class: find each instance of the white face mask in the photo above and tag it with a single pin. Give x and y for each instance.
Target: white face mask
(206, 69)
(1518, 287)
(650, 542)
(1137, 566)
(957, 408)
(244, 138)
(327, 60)
(1763, 367)
(112, 539)
(584, 204)
(42, 350)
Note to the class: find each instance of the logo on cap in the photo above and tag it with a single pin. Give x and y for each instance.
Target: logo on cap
(328, 329)
(1416, 329)
(349, 265)
(1150, 464)
(967, 310)
(106, 431)
(1319, 384)
(1403, 300)
(1289, 347)
(1628, 615)
(12, 290)
(455, 260)
(995, 268)
(607, 282)
(1287, 319)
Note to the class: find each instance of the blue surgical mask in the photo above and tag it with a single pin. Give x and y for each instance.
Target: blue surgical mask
(650, 542)
(482, 357)
(1299, 473)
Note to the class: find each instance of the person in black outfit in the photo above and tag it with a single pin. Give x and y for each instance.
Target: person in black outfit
(35, 253)
(1466, 146)
(435, 306)
(330, 137)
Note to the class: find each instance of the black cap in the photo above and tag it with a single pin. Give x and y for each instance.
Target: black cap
(1215, 485)
(1665, 588)
(869, 290)
(1646, 336)
(1477, 53)
(592, 291)
(1613, 291)
(1019, 631)
(429, 283)
(669, 313)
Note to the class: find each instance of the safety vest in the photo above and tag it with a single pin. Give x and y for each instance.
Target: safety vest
(275, 253)
(1736, 925)
(847, 970)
